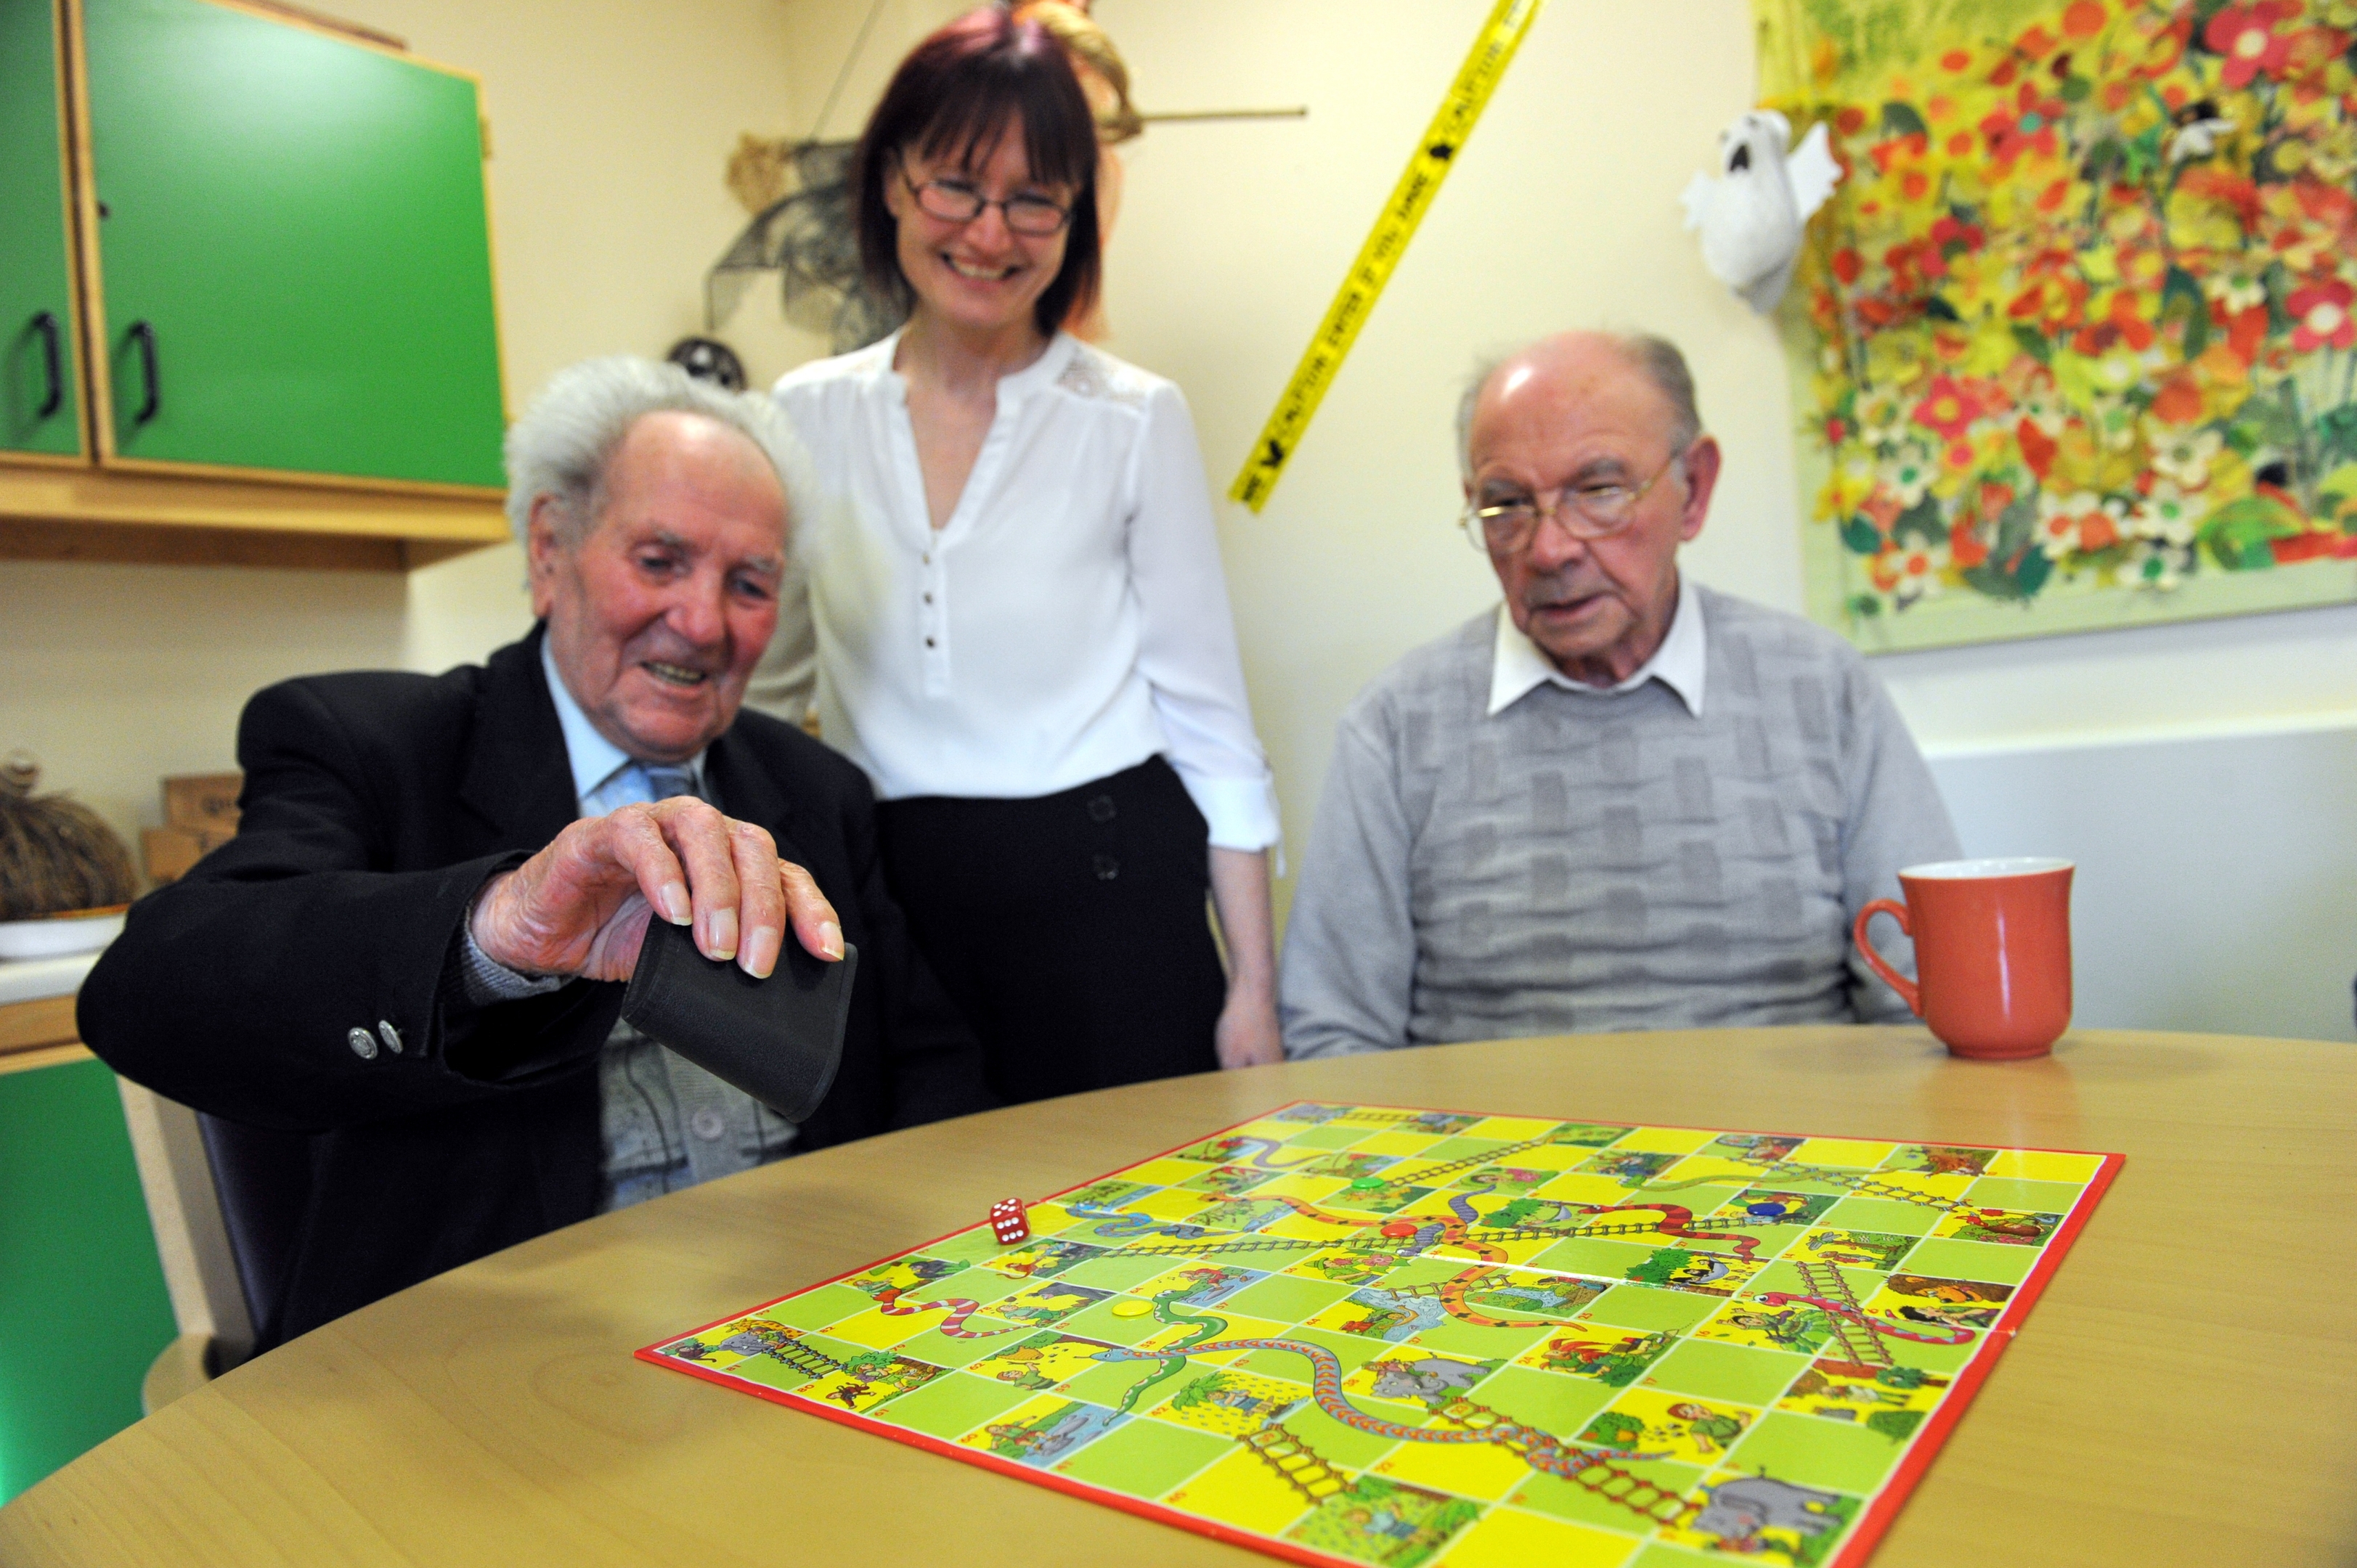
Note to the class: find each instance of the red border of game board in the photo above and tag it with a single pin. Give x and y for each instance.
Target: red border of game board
(1865, 1536)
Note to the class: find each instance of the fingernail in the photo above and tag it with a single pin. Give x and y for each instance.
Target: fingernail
(830, 939)
(760, 954)
(724, 933)
(676, 909)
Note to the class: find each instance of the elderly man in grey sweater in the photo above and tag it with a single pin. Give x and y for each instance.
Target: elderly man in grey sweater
(1622, 800)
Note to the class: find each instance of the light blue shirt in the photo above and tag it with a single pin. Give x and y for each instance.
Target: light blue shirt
(605, 777)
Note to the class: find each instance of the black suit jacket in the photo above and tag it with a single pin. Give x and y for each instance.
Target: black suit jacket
(375, 806)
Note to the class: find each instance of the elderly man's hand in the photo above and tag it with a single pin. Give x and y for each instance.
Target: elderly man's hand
(581, 905)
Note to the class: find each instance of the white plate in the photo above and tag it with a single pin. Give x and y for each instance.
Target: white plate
(53, 938)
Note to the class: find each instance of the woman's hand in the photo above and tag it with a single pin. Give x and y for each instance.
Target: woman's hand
(1246, 1035)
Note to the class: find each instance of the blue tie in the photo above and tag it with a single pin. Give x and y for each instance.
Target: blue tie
(663, 782)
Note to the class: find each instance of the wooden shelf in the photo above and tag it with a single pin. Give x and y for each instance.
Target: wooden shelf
(70, 513)
(40, 1033)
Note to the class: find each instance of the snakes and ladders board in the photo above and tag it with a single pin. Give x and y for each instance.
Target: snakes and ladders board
(1356, 1334)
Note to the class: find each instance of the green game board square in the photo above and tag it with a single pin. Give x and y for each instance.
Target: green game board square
(1807, 1451)
(1940, 1358)
(1098, 1322)
(1661, 1554)
(1548, 1400)
(1587, 1135)
(770, 1372)
(953, 1406)
(1334, 1442)
(1108, 1383)
(1438, 1517)
(1117, 1272)
(1466, 1339)
(1882, 1214)
(942, 1350)
(1330, 1137)
(1460, 1148)
(1350, 1351)
(1285, 1298)
(1646, 1307)
(1781, 1275)
(1228, 1180)
(1770, 1179)
(1145, 1458)
(1711, 1369)
(1605, 1260)
(1768, 1240)
(1945, 1258)
(2010, 1192)
(1564, 1499)
(818, 1308)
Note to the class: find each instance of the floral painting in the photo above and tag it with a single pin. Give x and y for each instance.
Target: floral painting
(2075, 341)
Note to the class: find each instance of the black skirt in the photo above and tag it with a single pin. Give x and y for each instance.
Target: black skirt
(1070, 928)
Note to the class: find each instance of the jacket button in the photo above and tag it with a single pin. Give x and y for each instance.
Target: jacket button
(1101, 809)
(389, 1035)
(1107, 867)
(364, 1044)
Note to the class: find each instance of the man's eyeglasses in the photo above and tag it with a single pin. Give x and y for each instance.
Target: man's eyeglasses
(1586, 511)
(955, 201)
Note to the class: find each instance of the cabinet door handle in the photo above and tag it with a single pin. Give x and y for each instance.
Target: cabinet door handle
(46, 324)
(144, 334)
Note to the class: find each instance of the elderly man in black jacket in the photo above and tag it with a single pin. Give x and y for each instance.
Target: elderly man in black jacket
(412, 950)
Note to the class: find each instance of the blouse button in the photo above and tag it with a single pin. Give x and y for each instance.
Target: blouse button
(929, 598)
(929, 642)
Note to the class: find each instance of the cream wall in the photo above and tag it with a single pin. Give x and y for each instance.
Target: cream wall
(610, 121)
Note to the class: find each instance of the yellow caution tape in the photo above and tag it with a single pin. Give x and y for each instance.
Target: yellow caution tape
(1493, 50)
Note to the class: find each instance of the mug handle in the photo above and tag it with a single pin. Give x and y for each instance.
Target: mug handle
(1875, 961)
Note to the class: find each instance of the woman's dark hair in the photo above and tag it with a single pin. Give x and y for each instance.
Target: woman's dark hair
(955, 94)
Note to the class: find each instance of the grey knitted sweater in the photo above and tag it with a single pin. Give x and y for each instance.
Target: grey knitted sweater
(1583, 862)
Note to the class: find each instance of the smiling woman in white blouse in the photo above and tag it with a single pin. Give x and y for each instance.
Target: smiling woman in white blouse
(1022, 622)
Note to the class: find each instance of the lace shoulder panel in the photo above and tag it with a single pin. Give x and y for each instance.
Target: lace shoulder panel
(1094, 374)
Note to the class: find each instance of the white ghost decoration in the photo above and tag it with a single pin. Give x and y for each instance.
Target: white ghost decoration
(1750, 217)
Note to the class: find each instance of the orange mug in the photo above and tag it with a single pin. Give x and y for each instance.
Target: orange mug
(1993, 949)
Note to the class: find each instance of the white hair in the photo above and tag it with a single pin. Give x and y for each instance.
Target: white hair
(1657, 357)
(566, 440)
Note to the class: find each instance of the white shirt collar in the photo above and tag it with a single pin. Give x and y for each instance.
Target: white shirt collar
(1518, 667)
(595, 758)
(1014, 386)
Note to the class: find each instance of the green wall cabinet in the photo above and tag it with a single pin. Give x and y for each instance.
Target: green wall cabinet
(291, 249)
(83, 1308)
(41, 392)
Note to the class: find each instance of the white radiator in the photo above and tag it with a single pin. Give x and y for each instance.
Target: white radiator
(2217, 881)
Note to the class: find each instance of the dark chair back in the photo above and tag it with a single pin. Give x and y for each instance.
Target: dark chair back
(264, 1178)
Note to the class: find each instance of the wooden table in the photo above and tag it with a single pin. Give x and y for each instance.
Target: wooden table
(2184, 1392)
